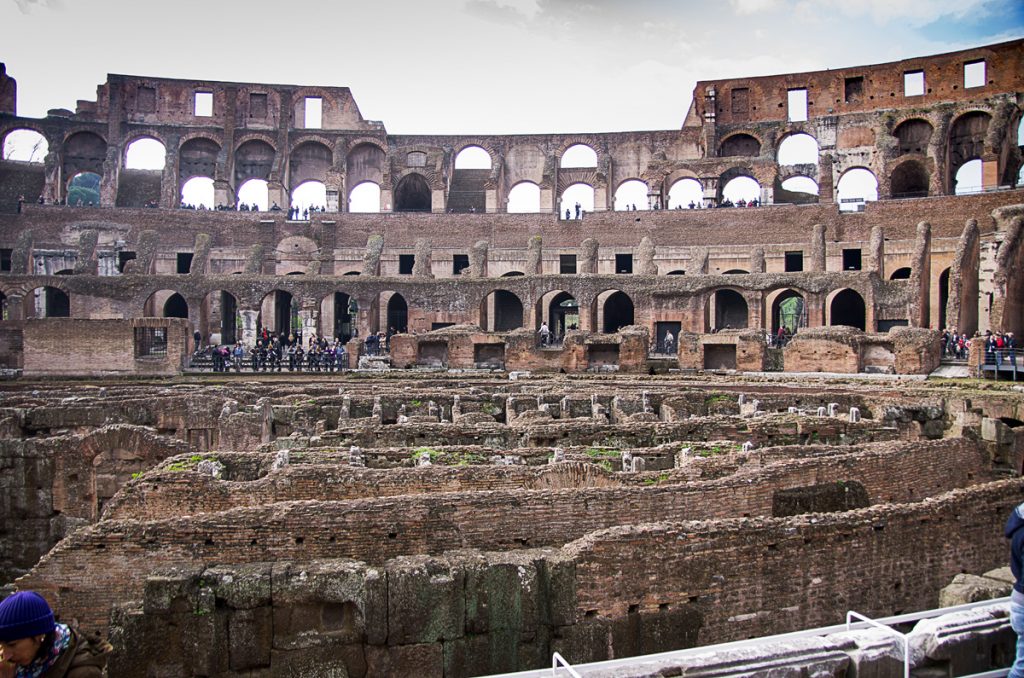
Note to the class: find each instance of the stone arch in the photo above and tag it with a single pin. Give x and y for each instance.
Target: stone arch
(560, 310)
(524, 198)
(966, 142)
(683, 191)
(165, 304)
(731, 174)
(788, 308)
(30, 143)
(294, 254)
(365, 160)
(846, 307)
(309, 160)
(338, 312)
(612, 310)
(909, 179)
(219, 318)
(47, 301)
(254, 159)
(84, 151)
(501, 311)
(901, 273)
(364, 197)
(726, 308)
(412, 194)
(740, 144)
(524, 162)
(913, 136)
(856, 183)
(470, 144)
(797, 148)
(279, 314)
(197, 157)
(630, 192)
(578, 157)
(396, 312)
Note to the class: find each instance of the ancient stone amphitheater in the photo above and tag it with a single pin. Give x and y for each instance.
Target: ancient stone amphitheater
(475, 500)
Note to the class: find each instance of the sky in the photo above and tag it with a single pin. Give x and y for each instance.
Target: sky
(480, 66)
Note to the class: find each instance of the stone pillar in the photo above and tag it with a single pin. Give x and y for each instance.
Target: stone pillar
(876, 252)
(818, 249)
(309, 315)
(710, 185)
(437, 201)
(249, 326)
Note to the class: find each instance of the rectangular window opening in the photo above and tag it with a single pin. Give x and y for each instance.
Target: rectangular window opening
(567, 264)
(314, 113)
(913, 83)
(460, 262)
(184, 263)
(797, 105)
(794, 262)
(5, 260)
(204, 104)
(122, 259)
(851, 260)
(150, 341)
(623, 263)
(405, 263)
(257, 105)
(854, 89)
(974, 73)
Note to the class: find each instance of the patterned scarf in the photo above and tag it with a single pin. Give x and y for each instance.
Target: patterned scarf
(40, 665)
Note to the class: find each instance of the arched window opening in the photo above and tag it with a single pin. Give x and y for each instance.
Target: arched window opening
(25, 145)
(309, 161)
(847, 308)
(740, 189)
(740, 145)
(913, 136)
(365, 162)
(338, 312)
(900, 274)
(677, 272)
(576, 200)
(561, 311)
(789, 311)
(686, 194)
(47, 302)
(524, 198)
(501, 311)
(856, 187)
(473, 157)
(398, 314)
(968, 178)
(279, 315)
(618, 312)
(198, 193)
(218, 318)
(175, 307)
(798, 149)
(198, 158)
(966, 143)
(800, 185)
(145, 154)
(84, 152)
(909, 180)
(413, 194)
(253, 160)
(254, 192)
(730, 311)
(735, 271)
(364, 198)
(943, 296)
(84, 190)
(579, 155)
(631, 195)
(309, 196)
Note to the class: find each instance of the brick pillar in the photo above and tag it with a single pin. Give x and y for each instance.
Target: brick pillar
(249, 326)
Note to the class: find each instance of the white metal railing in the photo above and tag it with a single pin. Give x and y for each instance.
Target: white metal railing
(755, 642)
(557, 659)
(888, 629)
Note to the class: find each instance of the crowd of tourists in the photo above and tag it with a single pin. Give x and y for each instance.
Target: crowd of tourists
(998, 347)
(288, 352)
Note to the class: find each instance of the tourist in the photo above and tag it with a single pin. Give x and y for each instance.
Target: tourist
(1015, 534)
(578, 207)
(33, 645)
(670, 342)
(567, 214)
(545, 334)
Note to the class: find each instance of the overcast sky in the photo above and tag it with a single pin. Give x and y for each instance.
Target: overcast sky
(478, 66)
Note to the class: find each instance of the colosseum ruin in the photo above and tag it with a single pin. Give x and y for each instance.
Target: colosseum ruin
(595, 424)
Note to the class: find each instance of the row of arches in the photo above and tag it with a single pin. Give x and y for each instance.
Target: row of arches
(501, 311)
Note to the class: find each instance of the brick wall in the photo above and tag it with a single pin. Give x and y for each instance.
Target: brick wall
(71, 346)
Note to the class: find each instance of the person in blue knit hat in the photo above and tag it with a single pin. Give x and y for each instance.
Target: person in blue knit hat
(33, 645)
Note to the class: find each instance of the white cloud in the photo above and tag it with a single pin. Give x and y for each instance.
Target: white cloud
(744, 7)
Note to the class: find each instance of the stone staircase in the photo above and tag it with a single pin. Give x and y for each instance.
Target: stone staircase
(467, 191)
